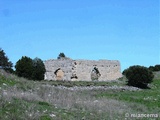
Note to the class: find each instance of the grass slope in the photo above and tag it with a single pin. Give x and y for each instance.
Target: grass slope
(21, 99)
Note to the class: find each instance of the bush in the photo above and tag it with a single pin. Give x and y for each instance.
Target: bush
(138, 76)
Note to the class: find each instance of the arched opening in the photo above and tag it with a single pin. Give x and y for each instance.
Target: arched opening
(59, 74)
(95, 74)
(74, 76)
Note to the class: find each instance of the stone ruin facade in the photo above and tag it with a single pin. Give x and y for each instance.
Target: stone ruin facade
(82, 70)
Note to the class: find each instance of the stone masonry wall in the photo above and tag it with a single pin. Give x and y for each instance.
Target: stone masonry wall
(75, 70)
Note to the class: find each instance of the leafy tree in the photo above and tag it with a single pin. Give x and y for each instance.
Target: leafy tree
(61, 55)
(4, 62)
(151, 68)
(154, 68)
(157, 68)
(38, 69)
(24, 67)
(30, 69)
(138, 76)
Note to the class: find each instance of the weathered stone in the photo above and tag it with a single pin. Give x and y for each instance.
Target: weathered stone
(95, 74)
(59, 74)
(68, 69)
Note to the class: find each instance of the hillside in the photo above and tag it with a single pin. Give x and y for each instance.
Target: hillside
(21, 99)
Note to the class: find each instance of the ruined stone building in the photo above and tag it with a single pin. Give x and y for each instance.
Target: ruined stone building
(84, 70)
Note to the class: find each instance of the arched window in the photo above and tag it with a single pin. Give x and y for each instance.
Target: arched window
(95, 74)
(59, 74)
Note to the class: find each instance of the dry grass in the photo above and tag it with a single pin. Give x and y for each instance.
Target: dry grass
(23, 99)
(66, 99)
(70, 99)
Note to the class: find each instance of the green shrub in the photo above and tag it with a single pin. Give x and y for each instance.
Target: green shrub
(43, 103)
(45, 117)
(138, 76)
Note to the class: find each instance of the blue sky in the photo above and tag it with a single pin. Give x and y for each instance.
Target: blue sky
(124, 30)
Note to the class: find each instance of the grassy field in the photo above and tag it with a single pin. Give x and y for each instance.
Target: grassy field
(21, 99)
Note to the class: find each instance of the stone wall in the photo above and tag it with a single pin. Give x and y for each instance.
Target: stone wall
(75, 70)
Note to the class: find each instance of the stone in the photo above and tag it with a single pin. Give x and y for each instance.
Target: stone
(95, 74)
(59, 74)
(82, 70)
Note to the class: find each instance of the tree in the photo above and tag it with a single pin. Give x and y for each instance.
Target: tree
(61, 55)
(4, 62)
(38, 69)
(151, 68)
(30, 69)
(138, 76)
(154, 68)
(24, 67)
(157, 68)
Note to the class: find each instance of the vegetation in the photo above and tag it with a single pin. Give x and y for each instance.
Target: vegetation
(61, 55)
(22, 99)
(84, 83)
(154, 68)
(38, 69)
(31, 69)
(145, 101)
(24, 67)
(47, 100)
(138, 76)
(4, 62)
